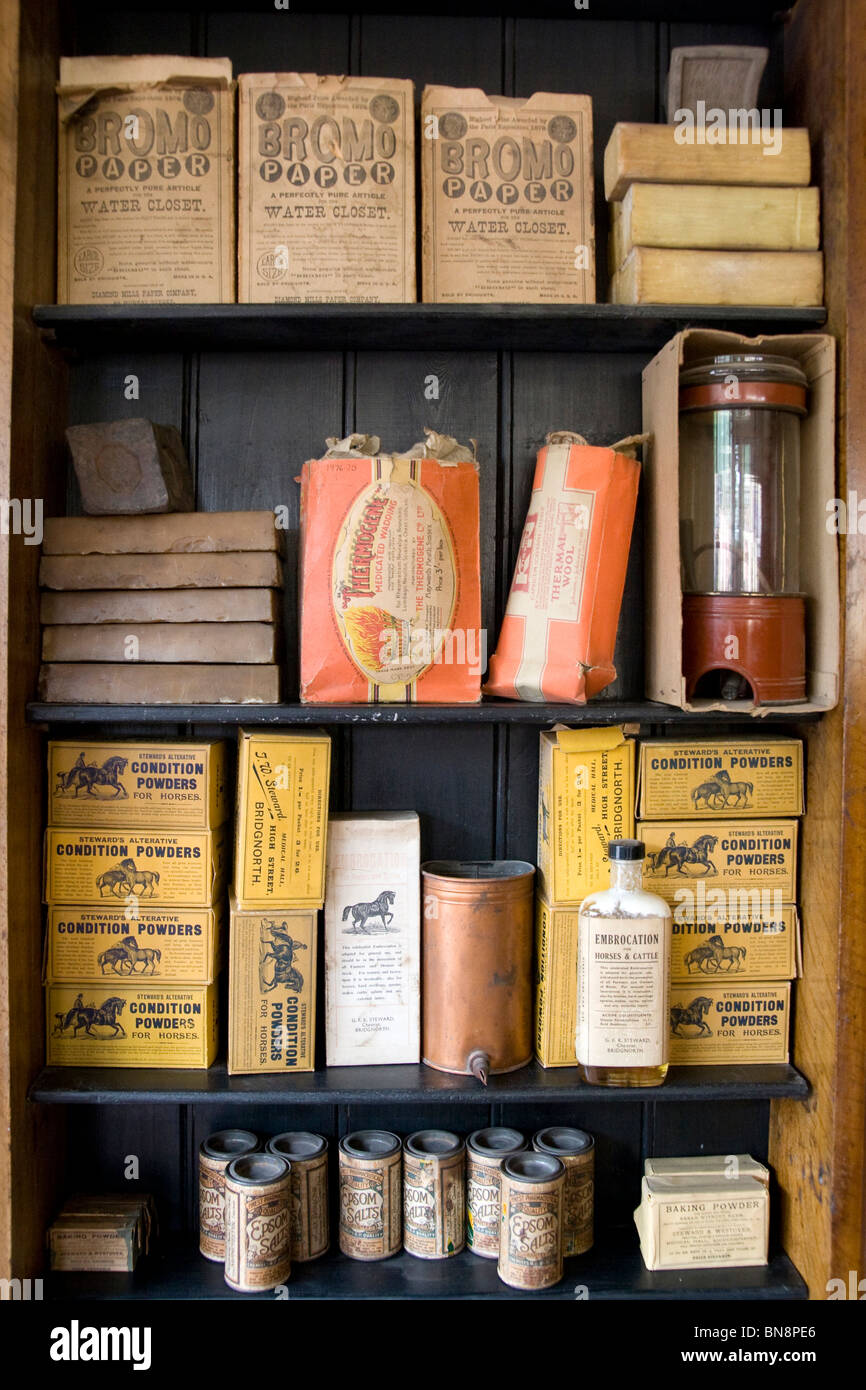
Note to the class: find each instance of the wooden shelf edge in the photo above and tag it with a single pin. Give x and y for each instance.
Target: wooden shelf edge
(613, 1270)
(486, 712)
(403, 327)
(401, 1085)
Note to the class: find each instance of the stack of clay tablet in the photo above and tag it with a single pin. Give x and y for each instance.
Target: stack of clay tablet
(179, 608)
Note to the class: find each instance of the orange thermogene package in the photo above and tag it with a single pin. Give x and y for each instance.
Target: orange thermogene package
(390, 574)
(559, 630)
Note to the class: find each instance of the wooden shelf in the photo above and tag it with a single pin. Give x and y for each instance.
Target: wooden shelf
(487, 712)
(399, 1085)
(614, 1271)
(744, 11)
(399, 327)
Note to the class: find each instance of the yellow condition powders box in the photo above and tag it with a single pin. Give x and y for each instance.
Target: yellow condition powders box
(555, 984)
(687, 861)
(282, 819)
(115, 1023)
(173, 946)
(728, 777)
(149, 868)
(715, 1024)
(585, 799)
(172, 786)
(272, 991)
(745, 945)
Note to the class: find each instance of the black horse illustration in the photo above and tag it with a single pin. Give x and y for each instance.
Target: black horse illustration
(88, 1016)
(691, 1015)
(676, 857)
(719, 791)
(278, 946)
(90, 775)
(362, 913)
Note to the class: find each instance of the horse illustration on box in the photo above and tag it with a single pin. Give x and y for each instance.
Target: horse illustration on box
(92, 775)
(718, 793)
(372, 913)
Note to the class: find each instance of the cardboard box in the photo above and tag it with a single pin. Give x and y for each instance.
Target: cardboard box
(683, 857)
(710, 1223)
(558, 634)
(172, 946)
(176, 786)
(717, 1024)
(281, 828)
(640, 152)
(162, 606)
(79, 1241)
(254, 569)
(507, 198)
(115, 1023)
(373, 939)
(555, 984)
(703, 1166)
(819, 579)
(585, 799)
(146, 181)
(272, 991)
(754, 944)
(658, 275)
(714, 216)
(224, 643)
(326, 189)
(390, 575)
(140, 868)
(187, 533)
(707, 779)
(134, 683)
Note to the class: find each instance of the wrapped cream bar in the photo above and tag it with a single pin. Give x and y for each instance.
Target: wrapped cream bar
(706, 1223)
(727, 1166)
(557, 638)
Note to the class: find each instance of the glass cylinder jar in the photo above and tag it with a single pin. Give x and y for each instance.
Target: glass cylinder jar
(740, 474)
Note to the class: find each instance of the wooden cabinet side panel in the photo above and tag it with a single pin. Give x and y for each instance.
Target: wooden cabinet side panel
(817, 1148)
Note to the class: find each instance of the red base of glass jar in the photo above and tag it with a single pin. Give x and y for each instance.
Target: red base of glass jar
(761, 639)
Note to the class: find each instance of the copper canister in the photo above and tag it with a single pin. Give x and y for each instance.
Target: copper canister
(214, 1156)
(371, 1194)
(434, 1194)
(486, 1151)
(530, 1239)
(477, 966)
(258, 1222)
(576, 1148)
(308, 1156)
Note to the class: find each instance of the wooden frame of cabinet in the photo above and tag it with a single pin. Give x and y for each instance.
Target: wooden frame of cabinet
(815, 1145)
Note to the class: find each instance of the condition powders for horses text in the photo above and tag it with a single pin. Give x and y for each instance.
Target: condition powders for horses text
(272, 990)
(373, 939)
(169, 786)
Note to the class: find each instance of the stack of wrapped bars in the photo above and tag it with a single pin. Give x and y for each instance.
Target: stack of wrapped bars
(712, 216)
(178, 608)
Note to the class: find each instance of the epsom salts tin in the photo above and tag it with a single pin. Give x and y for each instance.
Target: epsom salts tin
(370, 1194)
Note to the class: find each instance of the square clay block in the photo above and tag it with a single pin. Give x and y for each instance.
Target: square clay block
(131, 466)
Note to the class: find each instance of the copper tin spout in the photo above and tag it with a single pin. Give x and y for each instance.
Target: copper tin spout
(477, 966)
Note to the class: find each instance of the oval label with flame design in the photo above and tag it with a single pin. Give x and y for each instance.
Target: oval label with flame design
(394, 583)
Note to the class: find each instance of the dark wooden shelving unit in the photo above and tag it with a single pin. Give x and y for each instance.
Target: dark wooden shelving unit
(399, 327)
(402, 1085)
(614, 1271)
(254, 390)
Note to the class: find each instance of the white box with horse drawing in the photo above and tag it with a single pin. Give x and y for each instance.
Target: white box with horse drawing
(373, 939)
(171, 786)
(272, 989)
(172, 945)
(135, 868)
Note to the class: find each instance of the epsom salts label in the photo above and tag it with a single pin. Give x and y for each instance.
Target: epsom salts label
(507, 188)
(327, 176)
